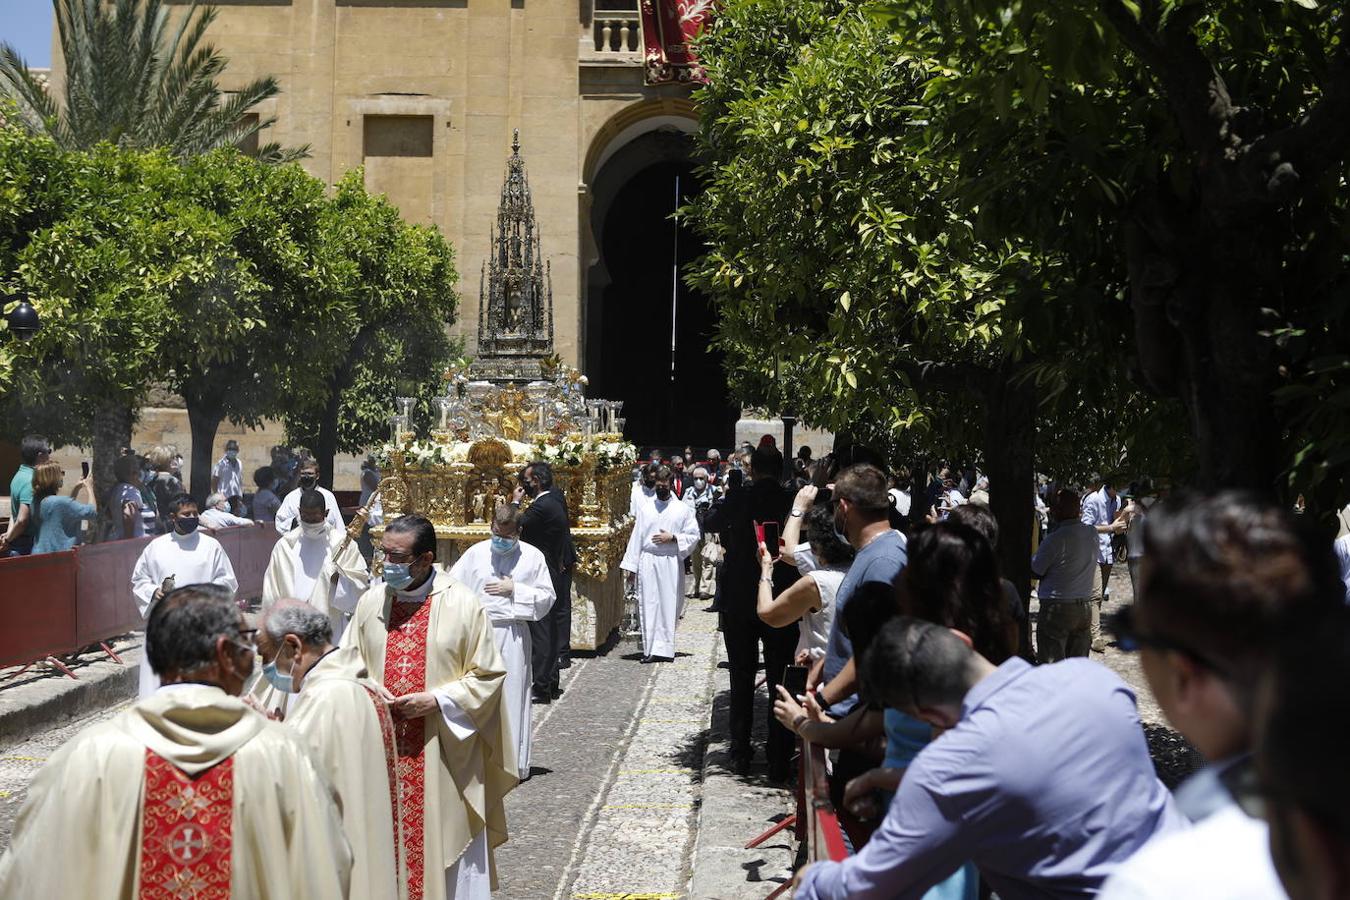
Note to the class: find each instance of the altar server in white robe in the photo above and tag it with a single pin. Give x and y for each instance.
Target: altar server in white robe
(345, 718)
(663, 535)
(183, 556)
(512, 582)
(188, 793)
(429, 643)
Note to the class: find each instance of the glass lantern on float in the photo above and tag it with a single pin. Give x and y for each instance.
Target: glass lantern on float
(538, 392)
(442, 433)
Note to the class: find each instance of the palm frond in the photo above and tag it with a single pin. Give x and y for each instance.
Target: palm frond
(138, 77)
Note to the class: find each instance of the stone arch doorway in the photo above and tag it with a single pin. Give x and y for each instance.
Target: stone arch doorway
(647, 335)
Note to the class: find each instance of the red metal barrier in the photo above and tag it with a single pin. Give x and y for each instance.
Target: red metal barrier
(37, 606)
(104, 604)
(249, 548)
(56, 603)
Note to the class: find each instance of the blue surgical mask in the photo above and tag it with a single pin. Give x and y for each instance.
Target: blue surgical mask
(502, 545)
(283, 683)
(398, 575)
(231, 454)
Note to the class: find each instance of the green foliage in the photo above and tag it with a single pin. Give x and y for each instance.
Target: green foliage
(138, 80)
(243, 286)
(1195, 149)
(853, 289)
(401, 295)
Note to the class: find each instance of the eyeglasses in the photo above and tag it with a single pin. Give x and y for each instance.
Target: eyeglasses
(250, 639)
(1131, 639)
(395, 556)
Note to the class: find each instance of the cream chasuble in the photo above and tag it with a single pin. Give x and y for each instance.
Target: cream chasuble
(531, 599)
(454, 768)
(302, 568)
(660, 570)
(347, 724)
(194, 558)
(189, 793)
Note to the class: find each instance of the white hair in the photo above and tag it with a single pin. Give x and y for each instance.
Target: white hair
(212, 500)
(311, 626)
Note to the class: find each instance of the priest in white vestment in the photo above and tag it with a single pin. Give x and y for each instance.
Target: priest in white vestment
(345, 718)
(429, 642)
(183, 556)
(306, 561)
(512, 582)
(188, 793)
(664, 533)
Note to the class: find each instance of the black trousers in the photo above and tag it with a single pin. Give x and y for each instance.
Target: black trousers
(743, 637)
(551, 638)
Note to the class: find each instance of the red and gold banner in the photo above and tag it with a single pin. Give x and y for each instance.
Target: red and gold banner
(405, 672)
(187, 826)
(668, 31)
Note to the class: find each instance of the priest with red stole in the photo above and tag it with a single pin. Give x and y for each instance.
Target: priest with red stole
(429, 642)
(187, 793)
(344, 717)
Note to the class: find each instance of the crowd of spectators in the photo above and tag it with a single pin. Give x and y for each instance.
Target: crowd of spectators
(43, 519)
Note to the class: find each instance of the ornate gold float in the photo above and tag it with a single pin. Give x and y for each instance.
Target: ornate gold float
(473, 462)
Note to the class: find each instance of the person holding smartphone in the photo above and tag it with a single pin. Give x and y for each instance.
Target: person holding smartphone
(735, 519)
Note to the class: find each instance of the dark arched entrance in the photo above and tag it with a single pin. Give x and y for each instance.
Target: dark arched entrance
(673, 395)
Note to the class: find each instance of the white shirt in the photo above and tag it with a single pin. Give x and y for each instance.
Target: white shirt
(228, 477)
(289, 510)
(218, 518)
(1066, 562)
(1342, 548)
(1099, 508)
(265, 505)
(902, 500)
(1227, 855)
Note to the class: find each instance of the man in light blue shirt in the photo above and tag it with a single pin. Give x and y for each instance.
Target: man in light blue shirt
(1042, 779)
(1099, 510)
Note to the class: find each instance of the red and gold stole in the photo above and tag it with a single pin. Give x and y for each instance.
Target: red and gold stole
(391, 765)
(405, 672)
(187, 828)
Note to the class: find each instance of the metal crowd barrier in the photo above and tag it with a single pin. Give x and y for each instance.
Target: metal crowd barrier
(815, 821)
(54, 604)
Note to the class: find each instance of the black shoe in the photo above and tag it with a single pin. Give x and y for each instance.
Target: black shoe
(564, 662)
(557, 691)
(740, 762)
(646, 659)
(540, 699)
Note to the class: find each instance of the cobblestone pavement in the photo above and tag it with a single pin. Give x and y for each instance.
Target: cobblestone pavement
(20, 762)
(612, 810)
(613, 805)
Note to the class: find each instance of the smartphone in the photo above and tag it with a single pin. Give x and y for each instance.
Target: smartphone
(794, 679)
(84, 469)
(759, 534)
(770, 536)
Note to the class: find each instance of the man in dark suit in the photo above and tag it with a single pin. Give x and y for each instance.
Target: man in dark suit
(545, 526)
(734, 518)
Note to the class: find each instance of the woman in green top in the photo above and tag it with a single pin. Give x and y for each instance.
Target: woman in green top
(58, 518)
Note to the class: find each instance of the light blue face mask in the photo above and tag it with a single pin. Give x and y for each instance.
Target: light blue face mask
(398, 575)
(502, 545)
(283, 683)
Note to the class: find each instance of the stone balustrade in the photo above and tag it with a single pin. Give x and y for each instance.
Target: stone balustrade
(617, 32)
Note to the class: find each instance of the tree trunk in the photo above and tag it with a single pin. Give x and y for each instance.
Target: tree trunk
(112, 432)
(204, 420)
(1196, 288)
(1009, 452)
(325, 444)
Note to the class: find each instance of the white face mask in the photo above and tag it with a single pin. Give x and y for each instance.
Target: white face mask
(313, 529)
